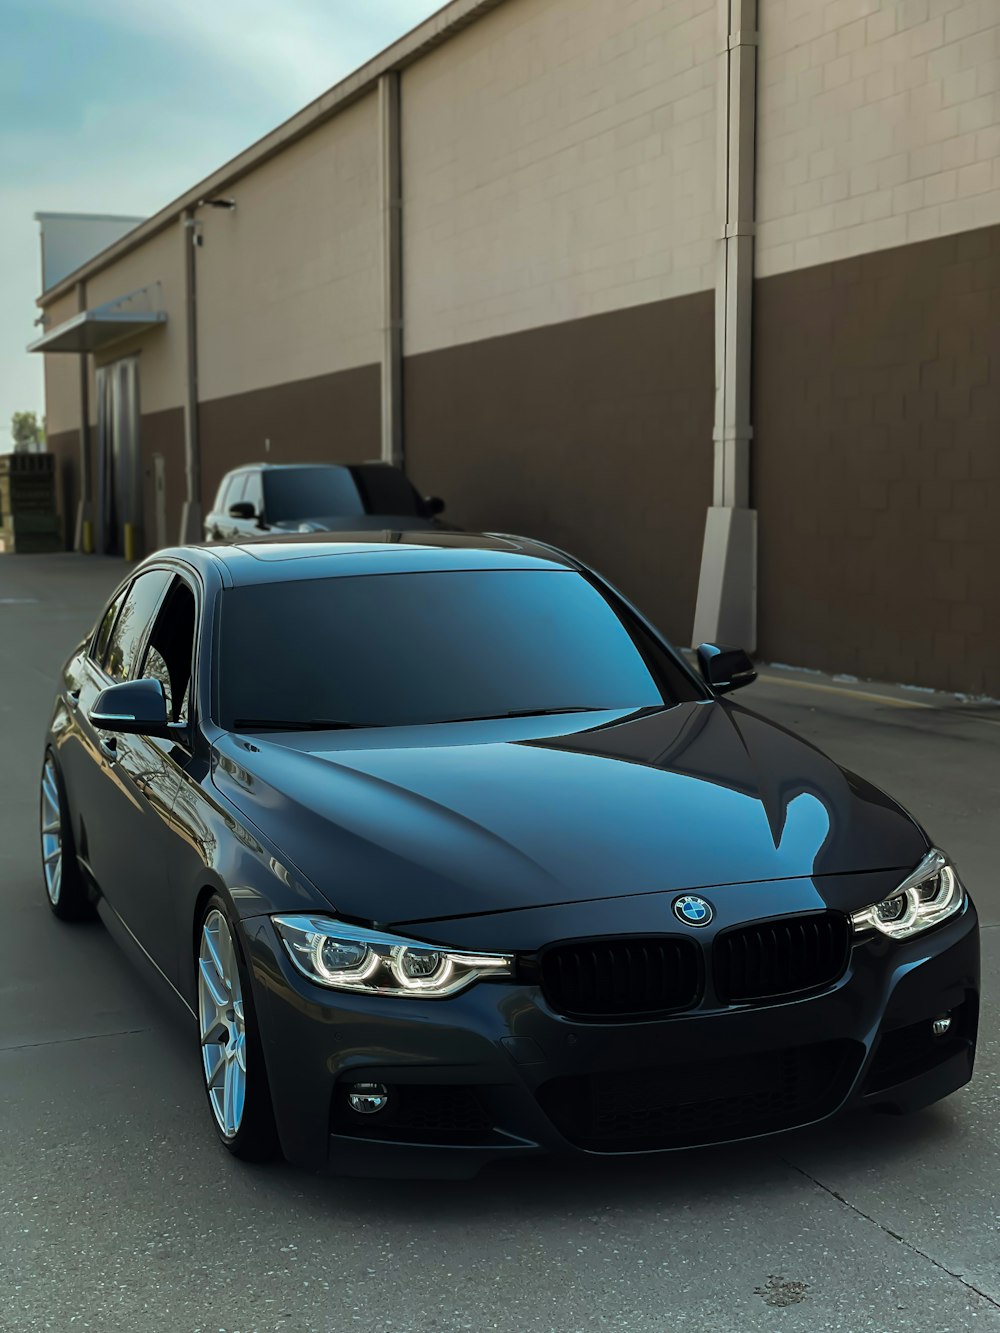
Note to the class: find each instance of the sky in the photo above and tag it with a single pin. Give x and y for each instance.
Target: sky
(118, 106)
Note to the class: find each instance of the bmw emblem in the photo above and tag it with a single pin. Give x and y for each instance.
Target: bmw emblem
(693, 911)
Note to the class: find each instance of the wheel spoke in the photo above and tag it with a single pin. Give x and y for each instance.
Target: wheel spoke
(215, 1032)
(212, 1067)
(213, 984)
(51, 856)
(230, 1123)
(228, 956)
(215, 954)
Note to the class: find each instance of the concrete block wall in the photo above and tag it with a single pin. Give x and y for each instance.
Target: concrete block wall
(62, 373)
(558, 162)
(877, 463)
(878, 125)
(159, 263)
(62, 416)
(288, 282)
(876, 459)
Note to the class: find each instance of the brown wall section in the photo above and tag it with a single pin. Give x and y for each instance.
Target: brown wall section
(595, 435)
(162, 433)
(330, 418)
(66, 447)
(877, 464)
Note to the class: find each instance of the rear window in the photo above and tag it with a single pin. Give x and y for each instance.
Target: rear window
(310, 492)
(329, 492)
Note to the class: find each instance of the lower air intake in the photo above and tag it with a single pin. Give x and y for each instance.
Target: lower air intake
(683, 1105)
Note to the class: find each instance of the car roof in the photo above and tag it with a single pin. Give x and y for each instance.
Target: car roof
(298, 467)
(293, 556)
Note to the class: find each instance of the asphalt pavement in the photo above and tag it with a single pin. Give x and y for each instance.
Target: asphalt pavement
(119, 1211)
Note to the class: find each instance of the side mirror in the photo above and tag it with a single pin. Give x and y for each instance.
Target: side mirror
(433, 505)
(725, 669)
(135, 707)
(242, 509)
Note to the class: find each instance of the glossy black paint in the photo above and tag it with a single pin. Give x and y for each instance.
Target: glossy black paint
(503, 835)
(725, 669)
(137, 707)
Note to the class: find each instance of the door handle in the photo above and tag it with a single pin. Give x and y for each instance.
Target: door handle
(109, 744)
(74, 696)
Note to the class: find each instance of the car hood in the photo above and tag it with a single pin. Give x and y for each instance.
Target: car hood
(461, 819)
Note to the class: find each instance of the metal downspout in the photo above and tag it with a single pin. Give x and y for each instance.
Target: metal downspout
(191, 514)
(83, 537)
(727, 590)
(390, 186)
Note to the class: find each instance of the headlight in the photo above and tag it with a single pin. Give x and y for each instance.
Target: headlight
(354, 959)
(926, 898)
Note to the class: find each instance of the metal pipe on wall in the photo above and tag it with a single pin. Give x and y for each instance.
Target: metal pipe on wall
(83, 536)
(726, 609)
(390, 186)
(191, 513)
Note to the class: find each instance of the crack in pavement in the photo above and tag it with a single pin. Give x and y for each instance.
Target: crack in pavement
(971, 1286)
(67, 1041)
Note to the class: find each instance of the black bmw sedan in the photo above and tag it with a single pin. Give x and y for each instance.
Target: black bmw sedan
(451, 858)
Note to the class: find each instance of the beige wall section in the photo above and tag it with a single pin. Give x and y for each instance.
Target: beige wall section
(878, 125)
(62, 374)
(288, 283)
(558, 161)
(163, 364)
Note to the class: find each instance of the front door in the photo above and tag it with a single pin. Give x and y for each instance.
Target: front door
(132, 784)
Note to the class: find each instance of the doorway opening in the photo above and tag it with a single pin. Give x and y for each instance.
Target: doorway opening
(119, 475)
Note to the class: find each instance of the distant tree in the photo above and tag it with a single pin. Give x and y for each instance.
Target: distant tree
(29, 437)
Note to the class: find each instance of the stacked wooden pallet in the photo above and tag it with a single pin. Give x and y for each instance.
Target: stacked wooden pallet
(28, 518)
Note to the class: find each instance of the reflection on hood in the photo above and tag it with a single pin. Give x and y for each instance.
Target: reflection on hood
(454, 819)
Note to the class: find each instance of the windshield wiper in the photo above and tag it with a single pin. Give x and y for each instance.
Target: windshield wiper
(297, 724)
(525, 712)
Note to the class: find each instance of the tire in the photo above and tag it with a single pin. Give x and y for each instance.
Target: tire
(232, 1059)
(65, 887)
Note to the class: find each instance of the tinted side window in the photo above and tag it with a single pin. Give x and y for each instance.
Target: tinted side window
(130, 627)
(103, 634)
(168, 656)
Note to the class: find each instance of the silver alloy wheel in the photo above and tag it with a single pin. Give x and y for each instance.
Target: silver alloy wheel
(222, 1025)
(51, 818)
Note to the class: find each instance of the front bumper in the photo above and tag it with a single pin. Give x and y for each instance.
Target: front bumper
(493, 1073)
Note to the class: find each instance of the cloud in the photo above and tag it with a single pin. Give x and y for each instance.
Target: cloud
(292, 51)
(120, 106)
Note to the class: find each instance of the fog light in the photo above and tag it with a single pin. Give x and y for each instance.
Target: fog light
(941, 1026)
(367, 1098)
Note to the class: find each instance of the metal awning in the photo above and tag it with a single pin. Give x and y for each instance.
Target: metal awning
(92, 330)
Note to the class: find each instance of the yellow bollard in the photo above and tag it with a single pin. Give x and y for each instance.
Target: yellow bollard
(129, 538)
(88, 537)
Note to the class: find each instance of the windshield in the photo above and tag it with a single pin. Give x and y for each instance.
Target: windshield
(314, 492)
(389, 650)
